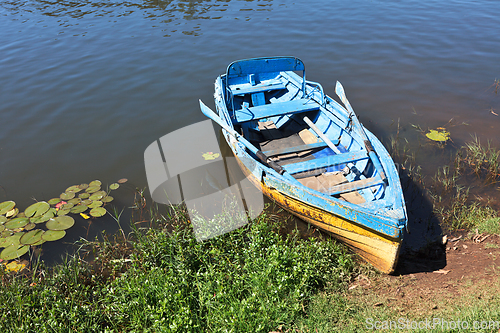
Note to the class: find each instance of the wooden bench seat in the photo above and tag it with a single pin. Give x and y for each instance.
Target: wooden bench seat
(296, 149)
(275, 109)
(326, 161)
(248, 88)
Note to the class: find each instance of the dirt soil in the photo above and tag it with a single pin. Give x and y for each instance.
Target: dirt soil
(440, 278)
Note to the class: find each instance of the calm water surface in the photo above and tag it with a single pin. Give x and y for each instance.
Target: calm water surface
(86, 86)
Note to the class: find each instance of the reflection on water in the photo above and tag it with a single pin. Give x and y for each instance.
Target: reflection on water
(168, 15)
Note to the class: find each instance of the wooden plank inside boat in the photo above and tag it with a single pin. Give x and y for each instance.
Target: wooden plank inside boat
(323, 182)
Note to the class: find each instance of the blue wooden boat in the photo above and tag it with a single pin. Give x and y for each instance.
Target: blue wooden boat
(311, 155)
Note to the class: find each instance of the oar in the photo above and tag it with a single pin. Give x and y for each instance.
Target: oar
(325, 139)
(260, 155)
(339, 90)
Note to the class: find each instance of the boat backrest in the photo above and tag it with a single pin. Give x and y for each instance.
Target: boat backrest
(264, 65)
(251, 71)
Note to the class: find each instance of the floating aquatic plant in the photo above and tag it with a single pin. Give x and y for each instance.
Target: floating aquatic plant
(18, 230)
(14, 251)
(78, 209)
(67, 195)
(97, 212)
(53, 235)
(60, 223)
(107, 199)
(31, 237)
(95, 183)
(74, 188)
(6, 206)
(18, 222)
(96, 196)
(92, 189)
(15, 266)
(440, 134)
(37, 209)
(12, 213)
(54, 201)
(96, 203)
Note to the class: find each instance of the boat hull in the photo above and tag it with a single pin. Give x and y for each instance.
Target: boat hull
(378, 249)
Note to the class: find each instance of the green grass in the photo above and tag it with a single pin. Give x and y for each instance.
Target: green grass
(254, 279)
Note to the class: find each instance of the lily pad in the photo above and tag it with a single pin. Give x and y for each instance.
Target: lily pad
(74, 188)
(18, 222)
(95, 204)
(67, 195)
(95, 183)
(86, 202)
(5, 241)
(60, 223)
(210, 155)
(2, 228)
(11, 240)
(123, 180)
(107, 199)
(83, 186)
(13, 251)
(62, 212)
(78, 209)
(3, 219)
(31, 237)
(96, 196)
(75, 201)
(114, 186)
(6, 233)
(6, 206)
(45, 217)
(53, 235)
(84, 195)
(440, 135)
(103, 193)
(29, 226)
(92, 189)
(41, 241)
(15, 266)
(37, 209)
(97, 212)
(12, 213)
(54, 201)
(67, 206)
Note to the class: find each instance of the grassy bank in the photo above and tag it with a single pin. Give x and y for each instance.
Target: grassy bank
(251, 280)
(259, 278)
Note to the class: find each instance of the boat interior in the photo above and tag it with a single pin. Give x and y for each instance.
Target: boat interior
(277, 111)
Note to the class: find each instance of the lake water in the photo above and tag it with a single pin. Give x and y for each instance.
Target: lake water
(86, 86)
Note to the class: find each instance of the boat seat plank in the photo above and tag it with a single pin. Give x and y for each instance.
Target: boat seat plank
(247, 88)
(323, 183)
(337, 178)
(275, 109)
(355, 185)
(326, 161)
(288, 150)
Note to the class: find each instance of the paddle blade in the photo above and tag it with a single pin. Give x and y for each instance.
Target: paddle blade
(207, 111)
(339, 90)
